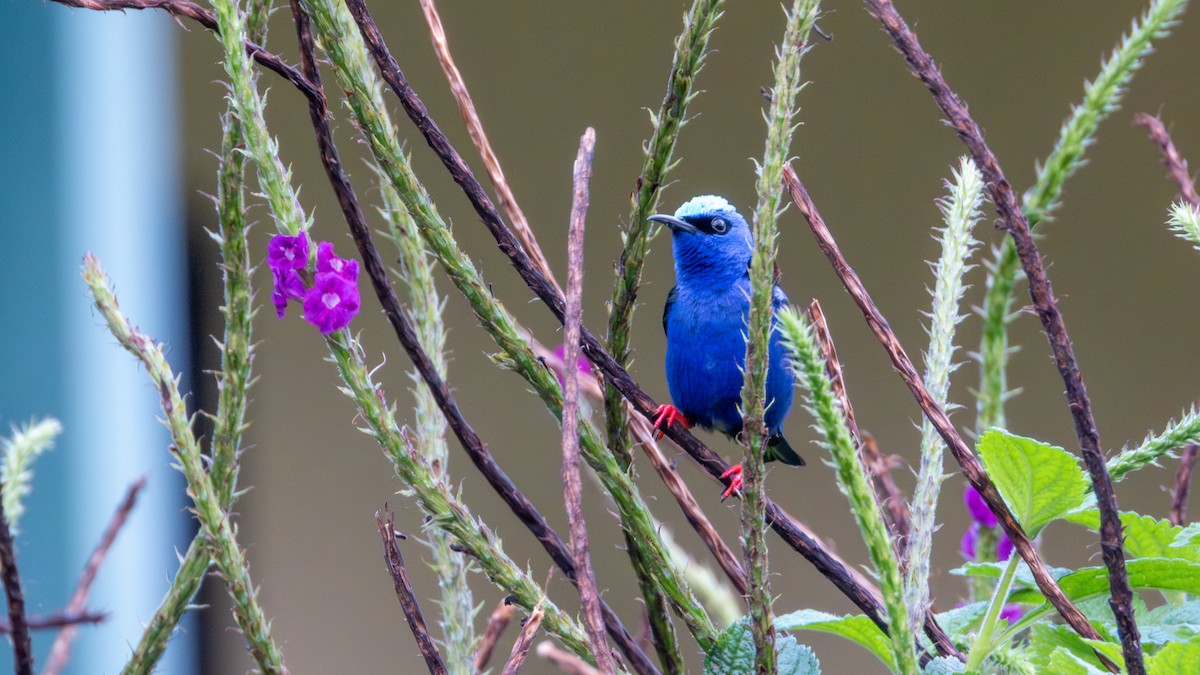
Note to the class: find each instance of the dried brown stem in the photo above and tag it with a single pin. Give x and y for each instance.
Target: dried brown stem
(572, 485)
(785, 525)
(1177, 166)
(1183, 483)
(11, 579)
(565, 661)
(181, 9)
(386, 522)
(521, 647)
(55, 620)
(894, 504)
(937, 416)
(60, 651)
(480, 456)
(491, 163)
(1014, 221)
(496, 624)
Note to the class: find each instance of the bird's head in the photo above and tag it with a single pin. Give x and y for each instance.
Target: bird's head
(712, 241)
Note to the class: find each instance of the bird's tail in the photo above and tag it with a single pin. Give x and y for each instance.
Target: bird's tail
(779, 450)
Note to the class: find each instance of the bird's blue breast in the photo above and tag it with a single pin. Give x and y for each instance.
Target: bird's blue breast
(706, 351)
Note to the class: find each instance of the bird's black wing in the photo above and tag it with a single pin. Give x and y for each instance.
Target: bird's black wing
(672, 295)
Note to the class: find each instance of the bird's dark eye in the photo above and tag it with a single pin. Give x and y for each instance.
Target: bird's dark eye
(719, 225)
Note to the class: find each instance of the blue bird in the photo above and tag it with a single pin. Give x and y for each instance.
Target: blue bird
(705, 320)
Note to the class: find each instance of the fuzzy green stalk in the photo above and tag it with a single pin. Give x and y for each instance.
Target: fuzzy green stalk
(982, 645)
(20, 450)
(960, 212)
(852, 480)
(780, 112)
(436, 498)
(1175, 436)
(1185, 222)
(1101, 97)
(347, 53)
(234, 379)
(426, 306)
(690, 49)
(218, 532)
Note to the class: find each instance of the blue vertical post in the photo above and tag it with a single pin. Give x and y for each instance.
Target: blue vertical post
(90, 130)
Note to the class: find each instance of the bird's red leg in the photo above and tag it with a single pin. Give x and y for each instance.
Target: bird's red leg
(734, 474)
(666, 415)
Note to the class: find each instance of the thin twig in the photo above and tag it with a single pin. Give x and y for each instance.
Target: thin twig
(491, 163)
(937, 416)
(386, 522)
(1014, 221)
(834, 367)
(496, 624)
(784, 524)
(520, 649)
(1177, 166)
(894, 504)
(11, 578)
(186, 9)
(1183, 483)
(60, 651)
(565, 661)
(572, 486)
(468, 438)
(55, 620)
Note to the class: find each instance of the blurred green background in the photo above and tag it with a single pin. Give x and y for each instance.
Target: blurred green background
(874, 153)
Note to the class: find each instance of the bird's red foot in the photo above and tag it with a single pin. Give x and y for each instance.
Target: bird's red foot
(734, 474)
(666, 415)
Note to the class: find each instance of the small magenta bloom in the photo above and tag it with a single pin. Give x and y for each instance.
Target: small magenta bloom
(288, 286)
(582, 365)
(966, 546)
(331, 303)
(978, 508)
(1012, 613)
(1004, 548)
(286, 252)
(329, 263)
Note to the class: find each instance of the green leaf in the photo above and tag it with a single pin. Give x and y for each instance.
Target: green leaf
(795, 658)
(1188, 535)
(958, 621)
(1039, 482)
(1146, 536)
(1170, 623)
(854, 627)
(944, 665)
(1065, 662)
(993, 570)
(733, 653)
(1177, 658)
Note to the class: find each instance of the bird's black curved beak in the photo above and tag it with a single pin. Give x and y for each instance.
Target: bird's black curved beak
(674, 223)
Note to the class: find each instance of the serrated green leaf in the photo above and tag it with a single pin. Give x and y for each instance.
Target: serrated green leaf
(992, 570)
(1039, 482)
(958, 621)
(733, 652)
(795, 658)
(944, 665)
(1170, 623)
(1064, 662)
(1188, 535)
(1145, 536)
(854, 627)
(1177, 658)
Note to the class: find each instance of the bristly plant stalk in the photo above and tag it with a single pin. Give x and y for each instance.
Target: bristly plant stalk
(426, 306)
(960, 212)
(26, 443)
(691, 46)
(1154, 448)
(852, 479)
(219, 534)
(234, 378)
(347, 53)
(1101, 98)
(1185, 222)
(780, 113)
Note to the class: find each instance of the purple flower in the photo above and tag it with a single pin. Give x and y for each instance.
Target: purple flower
(331, 302)
(582, 365)
(286, 252)
(1004, 548)
(329, 263)
(978, 508)
(1012, 613)
(288, 286)
(967, 546)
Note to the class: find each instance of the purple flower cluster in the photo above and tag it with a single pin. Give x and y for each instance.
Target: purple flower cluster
(981, 517)
(583, 366)
(332, 301)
